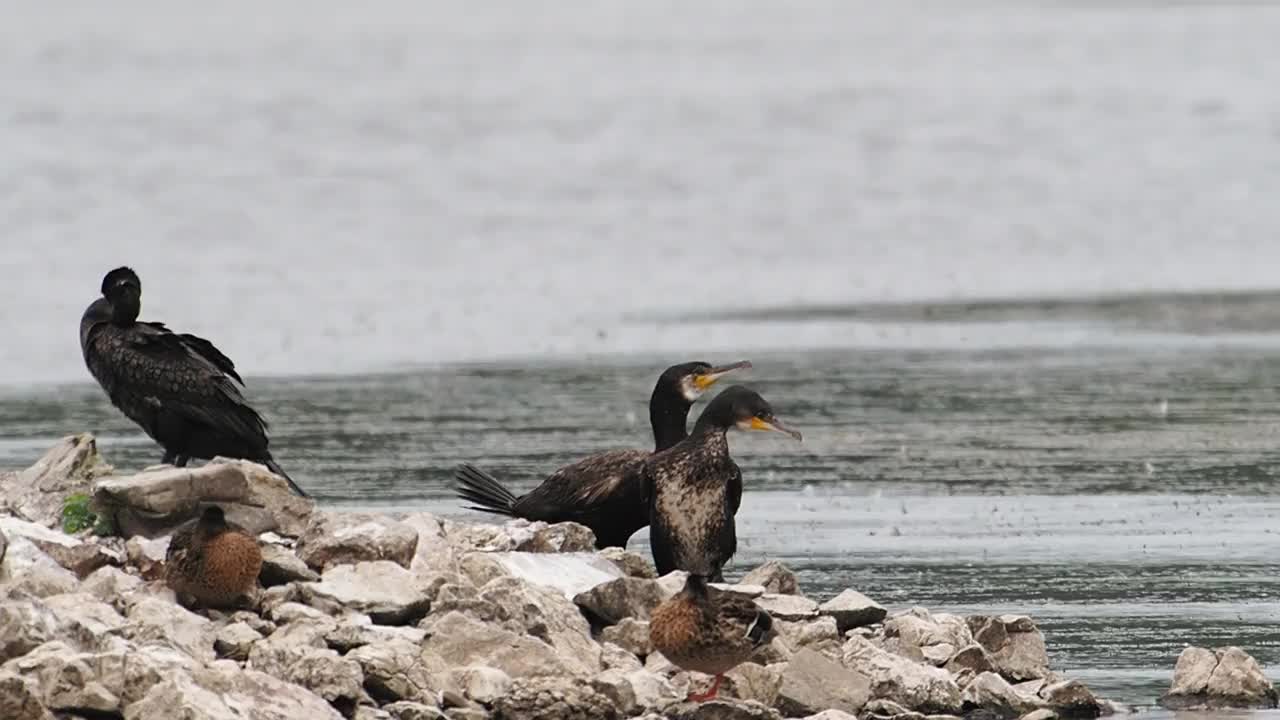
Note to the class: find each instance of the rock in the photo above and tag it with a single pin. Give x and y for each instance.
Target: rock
(1015, 645)
(812, 682)
(993, 693)
(1041, 714)
(775, 577)
(19, 699)
(852, 609)
(629, 634)
(482, 684)
(652, 691)
(78, 556)
(547, 615)
(223, 691)
(624, 597)
(559, 538)
(24, 626)
(111, 585)
(819, 634)
(972, 657)
(553, 699)
(4, 545)
(413, 711)
(338, 680)
(344, 538)
(235, 640)
(788, 607)
(99, 682)
(399, 670)
(889, 710)
(567, 573)
(1224, 677)
(461, 640)
(1071, 698)
(918, 628)
(616, 658)
(156, 622)
(468, 537)
(355, 631)
(29, 572)
(433, 554)
(915, 686)
(832, 715)
(614, 685)
(760, 683)
(280, 566)
(37, 493)
(155, 501)
(147, 555)
(632, 564)
(673, 582)
(364, 712)
(84, 620)
(381, 589)
(720, 710)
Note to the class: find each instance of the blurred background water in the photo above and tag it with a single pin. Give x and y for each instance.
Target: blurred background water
(1010, 266)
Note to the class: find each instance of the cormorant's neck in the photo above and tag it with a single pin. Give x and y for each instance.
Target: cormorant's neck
(669, 415)
(714, 438)
(124, 311)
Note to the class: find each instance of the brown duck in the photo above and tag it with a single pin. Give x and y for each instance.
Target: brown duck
(212, 560)
(708, 630)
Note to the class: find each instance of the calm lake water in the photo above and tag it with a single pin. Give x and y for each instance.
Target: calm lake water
(429, 235)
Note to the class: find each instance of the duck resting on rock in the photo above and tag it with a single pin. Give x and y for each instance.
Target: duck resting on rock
(694, 488)
(602, 491)
(708, 630)
(213, 561)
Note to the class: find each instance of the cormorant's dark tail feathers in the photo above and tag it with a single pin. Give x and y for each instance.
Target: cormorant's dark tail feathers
(274, 467)
(477, 486)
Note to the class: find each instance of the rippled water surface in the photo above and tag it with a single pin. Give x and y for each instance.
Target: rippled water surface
(1011, 266)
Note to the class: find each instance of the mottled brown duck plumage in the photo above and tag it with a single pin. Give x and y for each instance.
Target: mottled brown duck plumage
(213, 561)
(708, 630)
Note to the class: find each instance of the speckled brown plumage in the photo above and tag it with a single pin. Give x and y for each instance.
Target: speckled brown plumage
(179, 388)
(708, 630)
(213, 561)
(604, 491)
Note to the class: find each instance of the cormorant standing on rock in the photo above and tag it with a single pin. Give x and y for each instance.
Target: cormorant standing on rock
(603, 491)
(179, 388)
(212, 560)
(708, 630)
(694, 488)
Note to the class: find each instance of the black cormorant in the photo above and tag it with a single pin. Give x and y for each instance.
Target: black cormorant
(602, 491)
(694, 488)
(179, 388)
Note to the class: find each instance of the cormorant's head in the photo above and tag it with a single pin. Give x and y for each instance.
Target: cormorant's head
(123, 288)
(690, 380)
(743, 408)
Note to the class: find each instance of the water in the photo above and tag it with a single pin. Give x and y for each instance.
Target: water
(1008, 265)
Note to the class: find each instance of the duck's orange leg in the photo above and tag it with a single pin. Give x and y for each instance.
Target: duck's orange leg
(709, 694)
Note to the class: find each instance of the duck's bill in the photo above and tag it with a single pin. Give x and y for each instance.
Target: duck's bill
(776, 426)
(710, 377)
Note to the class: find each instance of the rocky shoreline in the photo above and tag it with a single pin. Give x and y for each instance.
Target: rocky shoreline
(411, 617)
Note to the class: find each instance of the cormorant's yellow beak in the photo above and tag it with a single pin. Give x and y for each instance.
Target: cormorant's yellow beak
(774, 425)
(709, 378)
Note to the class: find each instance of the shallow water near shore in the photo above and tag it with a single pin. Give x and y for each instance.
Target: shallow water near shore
(1121, 497)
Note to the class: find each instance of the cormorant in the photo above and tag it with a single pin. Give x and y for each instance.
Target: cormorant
(602, 491)
(694, 488)
(212, 560)
(708, 630)
(179, 388)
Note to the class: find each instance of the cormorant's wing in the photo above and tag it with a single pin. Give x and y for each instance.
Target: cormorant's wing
(586, 487)
(659, 533)
(734, 491)
(163, 369)
(203, 348)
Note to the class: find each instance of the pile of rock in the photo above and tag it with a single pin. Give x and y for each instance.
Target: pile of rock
(412, 617)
